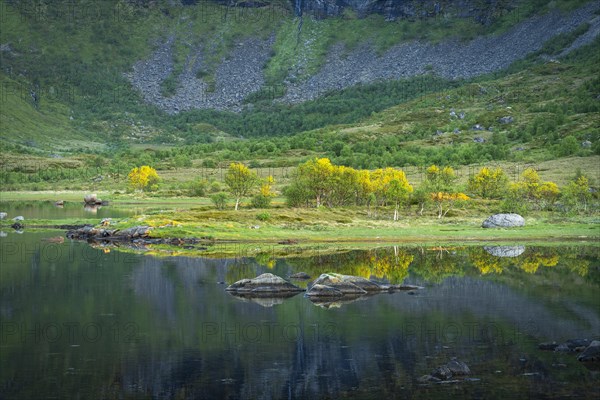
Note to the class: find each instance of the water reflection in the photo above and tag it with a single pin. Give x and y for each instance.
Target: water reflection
(61, 210)
(81, 323)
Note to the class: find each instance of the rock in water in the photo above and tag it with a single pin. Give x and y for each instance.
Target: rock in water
(442, 372)
(591, 353)
(265, 283)
(505, 251)
(339, 282)
(458, 367)
(503, 221)
(318, 290)
(90, 199)
(364, 284)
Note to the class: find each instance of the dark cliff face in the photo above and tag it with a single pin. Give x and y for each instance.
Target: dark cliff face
(482, 11)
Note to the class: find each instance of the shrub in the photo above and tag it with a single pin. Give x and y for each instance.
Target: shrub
(264, 216)
(219, 200)
(198, 188)
(261, 201)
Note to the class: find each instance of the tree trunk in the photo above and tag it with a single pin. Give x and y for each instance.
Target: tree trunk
(396, 213)
(237, 203)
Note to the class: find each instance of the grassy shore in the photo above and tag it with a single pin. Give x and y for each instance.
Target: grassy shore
(344, 225)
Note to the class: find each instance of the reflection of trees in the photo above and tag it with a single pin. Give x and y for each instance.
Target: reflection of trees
(384, 263)
(487, 263)
(530, 261)
(243, 268)
(436, 264)
(391, 264)
(576, 264)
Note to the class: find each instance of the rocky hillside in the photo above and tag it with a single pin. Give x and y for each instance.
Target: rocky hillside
(242, 71)
(483, 12)
(169, 71)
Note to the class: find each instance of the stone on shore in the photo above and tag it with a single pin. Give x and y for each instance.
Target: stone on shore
(503, 221)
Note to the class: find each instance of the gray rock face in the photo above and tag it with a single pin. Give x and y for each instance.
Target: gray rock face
(451, 59)
(503, 221)
(237, 76)
(505, 251)
(241, 72)
(591, 353)
(265, 283)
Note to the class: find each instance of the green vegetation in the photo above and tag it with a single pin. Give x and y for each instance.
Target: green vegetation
(74, 134)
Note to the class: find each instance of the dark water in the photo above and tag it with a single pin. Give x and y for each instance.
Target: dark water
(87, 323)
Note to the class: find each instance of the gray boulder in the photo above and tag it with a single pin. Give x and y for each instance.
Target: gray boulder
(364, 284)
(19, 218)
(3, 215)
(591, 353)
(135, 232)
(506, 120)
(504, 251)
(343, 283)
(458, 367)
(265, 283)
(442, 372)
(318, 290)
(503, 221)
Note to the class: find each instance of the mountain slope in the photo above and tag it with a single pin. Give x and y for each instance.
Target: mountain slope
(121, 62)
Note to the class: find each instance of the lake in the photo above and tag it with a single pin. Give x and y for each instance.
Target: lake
(72, 209)
(83, 322)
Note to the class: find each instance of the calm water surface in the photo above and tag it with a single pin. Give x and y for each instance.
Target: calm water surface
(92, 323)
(47, 210)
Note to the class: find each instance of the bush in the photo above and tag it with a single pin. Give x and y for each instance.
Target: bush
(261, 201)
(264, 216)
(209, 163)
(215, 187)
(198, 188)
(219, 200)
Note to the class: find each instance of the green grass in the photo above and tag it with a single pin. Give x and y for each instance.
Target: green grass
(353, 225)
